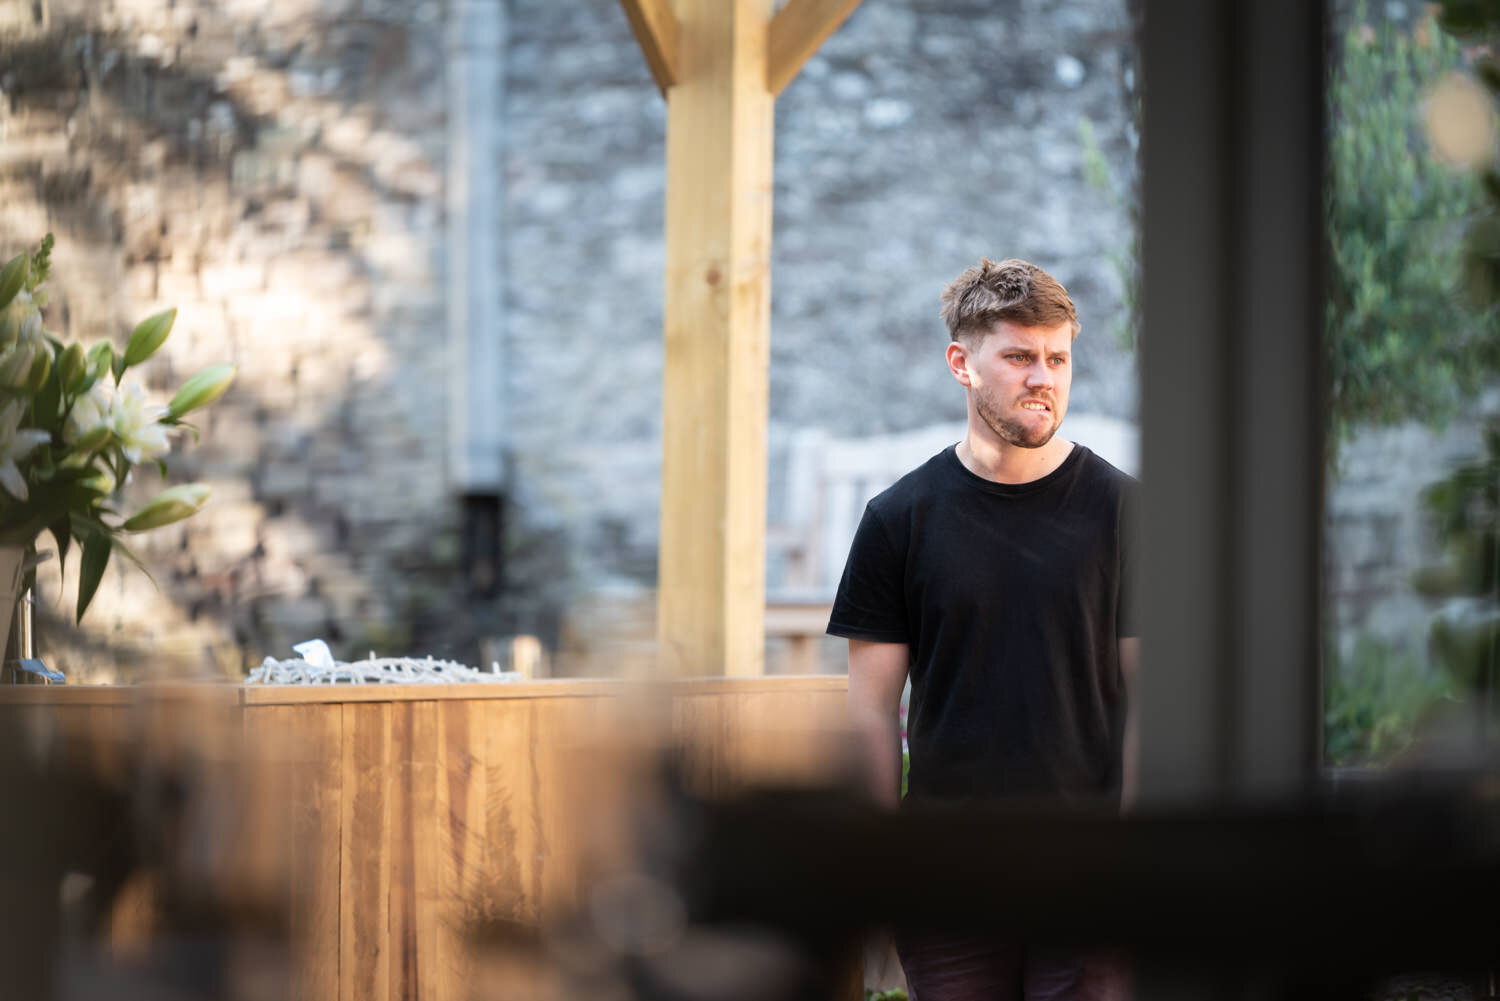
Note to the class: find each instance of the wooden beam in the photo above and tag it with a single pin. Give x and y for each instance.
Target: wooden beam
(796, 32)
(655, 28)
(720, 120)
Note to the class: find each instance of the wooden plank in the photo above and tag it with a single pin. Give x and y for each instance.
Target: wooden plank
(796, 32)
(459, 840)
(365, 854)
(291, 694)
(409, 811)
(513, 840)
(590, 784)
(305, 741)
(435, 898)
(655, 28)
(698, 729)
(542, 688)
(72, 694)
(717, 333)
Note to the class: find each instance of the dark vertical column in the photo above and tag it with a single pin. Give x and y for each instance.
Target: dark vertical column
(1232, 426)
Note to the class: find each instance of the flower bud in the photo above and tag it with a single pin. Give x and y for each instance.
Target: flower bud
(72, 365)
(203, 387)
(15, 364)
(148, 336)
(101, 356)
(172, 504)
(41, 367)
(13, 277)
(102, 482)
(15, 320)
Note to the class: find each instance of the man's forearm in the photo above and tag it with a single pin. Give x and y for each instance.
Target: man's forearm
(880, 740)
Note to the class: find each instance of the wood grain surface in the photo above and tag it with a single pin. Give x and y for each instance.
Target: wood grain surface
(389, 828)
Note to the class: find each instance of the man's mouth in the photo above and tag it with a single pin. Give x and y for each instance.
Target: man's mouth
(1034, 405)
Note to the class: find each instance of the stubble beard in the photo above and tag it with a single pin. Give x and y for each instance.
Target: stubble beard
(1014, 432)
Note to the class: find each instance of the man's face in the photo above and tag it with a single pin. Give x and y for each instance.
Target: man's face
(1018, 378)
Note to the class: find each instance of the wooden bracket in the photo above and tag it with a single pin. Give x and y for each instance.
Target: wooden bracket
(795, 34)
(655, 28)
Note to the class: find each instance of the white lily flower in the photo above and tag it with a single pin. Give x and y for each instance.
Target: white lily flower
(15, 445)
(90, 411)
(136, 424)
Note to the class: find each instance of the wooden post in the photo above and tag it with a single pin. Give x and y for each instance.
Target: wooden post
(720, 117)
(720, 64)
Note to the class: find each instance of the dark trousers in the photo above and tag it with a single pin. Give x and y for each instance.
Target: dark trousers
(952, 967)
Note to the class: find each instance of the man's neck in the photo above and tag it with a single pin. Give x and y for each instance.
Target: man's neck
(1001, 462)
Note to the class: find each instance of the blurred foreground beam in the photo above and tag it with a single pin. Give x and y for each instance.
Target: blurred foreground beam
(1232, 423)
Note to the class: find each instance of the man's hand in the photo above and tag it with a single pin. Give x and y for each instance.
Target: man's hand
(877, 677)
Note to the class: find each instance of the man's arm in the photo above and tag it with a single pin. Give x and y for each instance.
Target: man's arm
(877, 677)
(1130, 671)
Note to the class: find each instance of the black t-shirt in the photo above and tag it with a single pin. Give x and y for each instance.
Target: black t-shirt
(1012, 599)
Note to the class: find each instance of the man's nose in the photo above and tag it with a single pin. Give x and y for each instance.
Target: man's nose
(1039, 376)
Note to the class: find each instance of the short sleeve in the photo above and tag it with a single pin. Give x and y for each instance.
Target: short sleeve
(871, 599)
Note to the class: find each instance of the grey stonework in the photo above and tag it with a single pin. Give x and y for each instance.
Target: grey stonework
(277, 172)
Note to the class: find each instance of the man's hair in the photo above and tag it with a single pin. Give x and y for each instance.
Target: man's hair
(1012, 290)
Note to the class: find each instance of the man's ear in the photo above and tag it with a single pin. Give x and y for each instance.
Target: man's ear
(958, 362)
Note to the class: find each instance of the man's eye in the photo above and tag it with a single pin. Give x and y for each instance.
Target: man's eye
(1059, 361)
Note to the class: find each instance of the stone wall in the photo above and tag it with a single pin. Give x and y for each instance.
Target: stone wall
(276, 171)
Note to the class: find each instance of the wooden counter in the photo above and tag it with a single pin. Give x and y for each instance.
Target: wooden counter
(390, 819)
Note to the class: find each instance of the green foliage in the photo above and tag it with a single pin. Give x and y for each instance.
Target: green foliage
(1404, 341)
(1465, 512)
(1464, 509)
(894, 994)
(69, 437)
(1125, 260)
(1376, 702)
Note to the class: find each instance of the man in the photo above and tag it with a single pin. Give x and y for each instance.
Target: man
(996, 574)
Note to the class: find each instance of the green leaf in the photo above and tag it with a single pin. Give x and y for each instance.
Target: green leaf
(96, 550)
(148, 336)
(64, 539)
(12, 277)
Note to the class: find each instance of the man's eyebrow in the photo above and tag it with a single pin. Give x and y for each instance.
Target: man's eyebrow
(1017, 349)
